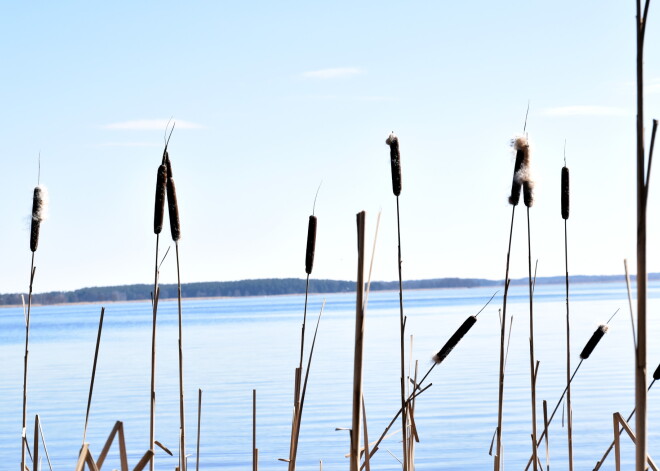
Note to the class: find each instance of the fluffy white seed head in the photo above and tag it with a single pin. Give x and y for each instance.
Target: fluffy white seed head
(391, 139)
(40, 203)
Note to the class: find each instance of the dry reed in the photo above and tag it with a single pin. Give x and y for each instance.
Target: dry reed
(199, 425)
(642, 179)
(656, 376)
(359, 344)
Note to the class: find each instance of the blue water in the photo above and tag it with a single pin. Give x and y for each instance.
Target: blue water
(232, 346)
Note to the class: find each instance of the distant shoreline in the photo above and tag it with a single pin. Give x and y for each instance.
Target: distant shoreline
(272, 287)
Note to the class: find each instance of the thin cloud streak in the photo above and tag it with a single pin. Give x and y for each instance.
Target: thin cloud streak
(129, 144)
(585, 110)
(151, 125)
(335, 73)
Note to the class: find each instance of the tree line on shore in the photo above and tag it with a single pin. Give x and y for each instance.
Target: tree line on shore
(269, 287)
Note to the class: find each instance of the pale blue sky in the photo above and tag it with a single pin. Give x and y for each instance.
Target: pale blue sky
(273, 97)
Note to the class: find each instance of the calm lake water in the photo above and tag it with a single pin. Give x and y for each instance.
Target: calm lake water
(232, 346)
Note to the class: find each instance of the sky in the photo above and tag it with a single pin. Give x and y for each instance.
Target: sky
(273, 99)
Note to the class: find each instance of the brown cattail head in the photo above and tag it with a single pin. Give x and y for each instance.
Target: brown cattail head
(593, 341)
(39, 207)
(395, 161)
(172, 205)
(565, 193)
(453, 341)
(311, 245)
(656, 373)
(161, 182)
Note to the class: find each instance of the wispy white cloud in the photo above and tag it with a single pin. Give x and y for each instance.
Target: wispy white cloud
(151, 124)
(585, 110)
(373, 98)
(131, 144)
(335, 73)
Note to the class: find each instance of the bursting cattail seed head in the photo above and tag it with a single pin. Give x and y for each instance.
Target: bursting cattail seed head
(395, 161)
(523, 175)
(161, 182)
(656, 373)
(521, 146)
(172, 205)
(39, 209)
(311, 245)
(454, 339)
(593, 341)
(565, 193)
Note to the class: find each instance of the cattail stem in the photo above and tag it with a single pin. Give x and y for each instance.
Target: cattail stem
(564, 205)
(301, 403)
(500, 409)
(402, 325)
(152, 398)
(25, 364)
(531, 338)
(91, 384)
(182, 417)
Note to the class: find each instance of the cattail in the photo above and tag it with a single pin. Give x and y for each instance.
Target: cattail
(172, 206)
(395, 160)
(161, 182)
(311, 245)
(656, 373)
(521, 147)
(565, 193)
(593, 341)
(523, 176)
(453, 341)
(39, 207)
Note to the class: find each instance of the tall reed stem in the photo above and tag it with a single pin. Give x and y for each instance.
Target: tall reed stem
(152, 401)
(402, 324)
(500, 408)
(199, 425)
(642, 190)
(359, 344)
(182, 417)
(569, 407)
(25, 365)
(532, 361)
(254, 430)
